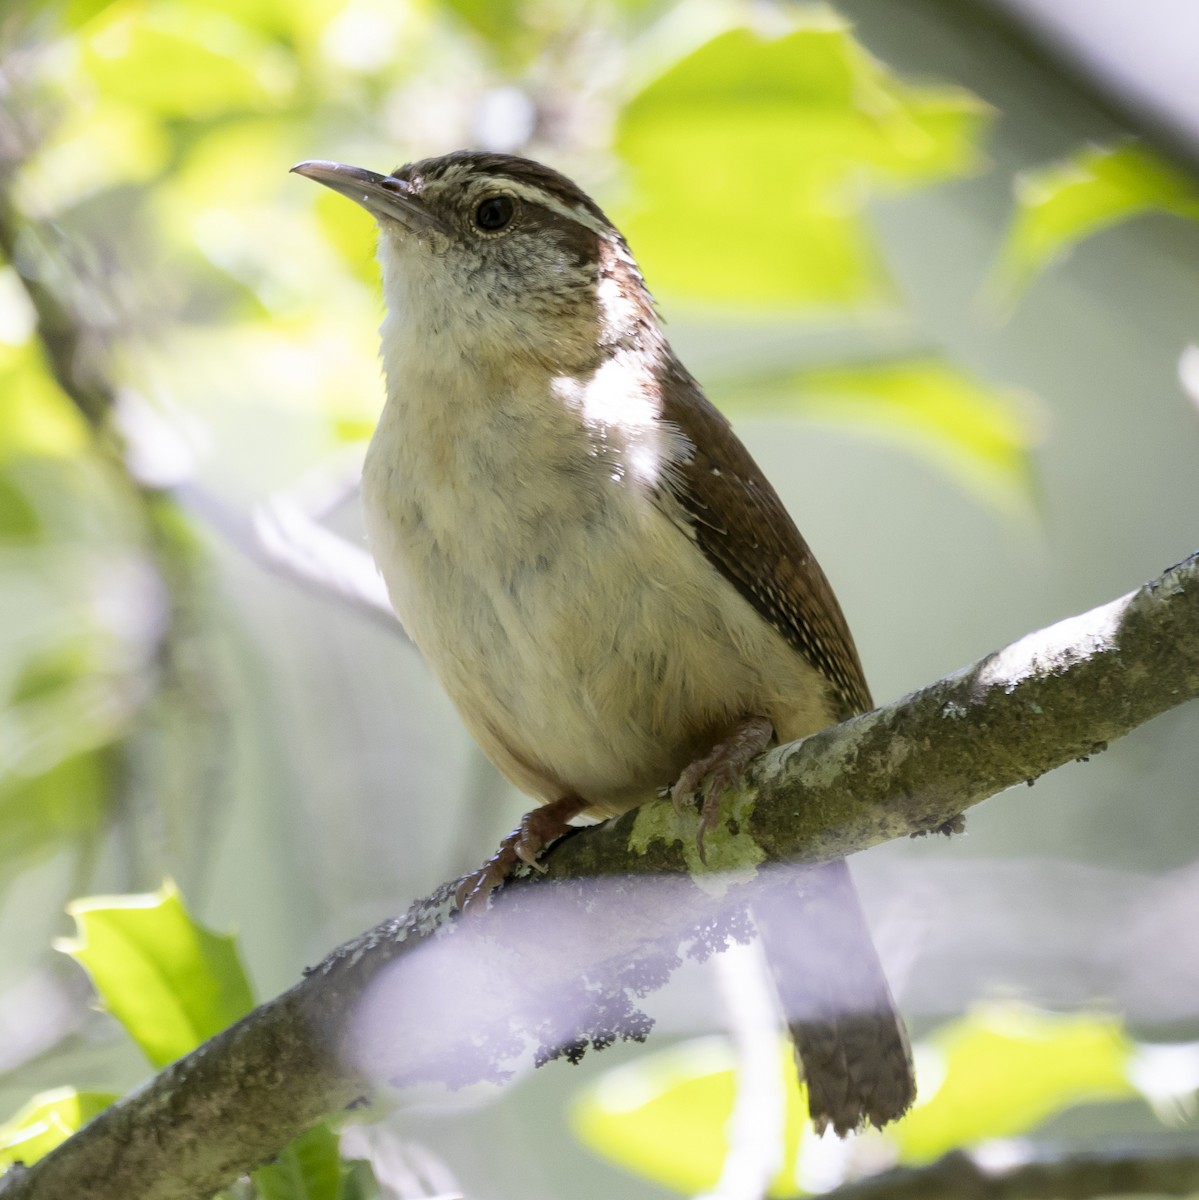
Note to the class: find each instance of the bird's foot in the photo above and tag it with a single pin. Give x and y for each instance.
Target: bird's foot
(720, 769)
(537, 829)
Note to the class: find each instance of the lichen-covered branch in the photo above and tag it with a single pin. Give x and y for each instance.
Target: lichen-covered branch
(561, 959)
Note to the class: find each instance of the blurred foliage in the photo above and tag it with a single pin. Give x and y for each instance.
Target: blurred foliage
(666, 1116)
(172, 984)
(1059, 205)
(979, 433)
(1002, 1071)
(753, 158)
(996, 1072)
(64, 804)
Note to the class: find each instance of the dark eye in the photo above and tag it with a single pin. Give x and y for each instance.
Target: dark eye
(494, 213)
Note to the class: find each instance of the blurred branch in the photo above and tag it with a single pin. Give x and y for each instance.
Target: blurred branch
(284, 535)
(1125, 111)
(73, 345)
(757, 1125)
(1050, 1175)
(558, 960)
(76, 321)
(284, 540)
(70, 345)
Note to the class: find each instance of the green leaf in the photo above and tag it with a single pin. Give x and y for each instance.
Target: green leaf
(665, 1116)
(309, 1168)
(752, 159)
(67, 691)
(47, 1120)
(980, 434)
(184, 61)
(1059, 205)
(1004, 1070)
(171, 982)
(359, 1182)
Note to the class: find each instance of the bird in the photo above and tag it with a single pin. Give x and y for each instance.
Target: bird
(593, 565)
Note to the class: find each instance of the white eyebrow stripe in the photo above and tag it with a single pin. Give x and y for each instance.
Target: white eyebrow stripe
(572, 212)
(465, 173)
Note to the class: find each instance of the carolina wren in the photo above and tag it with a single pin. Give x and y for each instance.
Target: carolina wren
(600, 575)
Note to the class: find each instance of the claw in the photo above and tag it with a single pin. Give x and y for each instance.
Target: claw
(537, 830)
(528, 855)
(720, 769)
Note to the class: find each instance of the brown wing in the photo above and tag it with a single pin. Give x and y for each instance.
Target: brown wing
(741, 525)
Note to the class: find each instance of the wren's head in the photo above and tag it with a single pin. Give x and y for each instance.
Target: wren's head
(498, 258)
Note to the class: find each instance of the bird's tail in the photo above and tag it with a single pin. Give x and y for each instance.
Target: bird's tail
(850, 1042)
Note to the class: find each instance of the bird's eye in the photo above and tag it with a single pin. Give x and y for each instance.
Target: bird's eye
(494, 213)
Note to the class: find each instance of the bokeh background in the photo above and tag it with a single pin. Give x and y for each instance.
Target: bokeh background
(938, 261)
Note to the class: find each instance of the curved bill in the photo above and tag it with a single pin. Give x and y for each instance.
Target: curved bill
(380, 195)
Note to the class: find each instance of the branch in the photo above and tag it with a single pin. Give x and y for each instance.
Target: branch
(1013, 31)
(1050, 1175)
(559, 959)
(283, 539)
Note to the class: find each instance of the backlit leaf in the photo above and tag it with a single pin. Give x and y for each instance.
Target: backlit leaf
(1059, 205)
(47, 1120)
(1006, 1069)
(185, 61)
(979, 433)
(997, 1072)
(665, 1116)
(170, 981)
(752, 159)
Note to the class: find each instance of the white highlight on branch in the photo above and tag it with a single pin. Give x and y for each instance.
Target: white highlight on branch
(1048, 651)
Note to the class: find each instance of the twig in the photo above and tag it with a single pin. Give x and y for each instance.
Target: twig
(1049, 1175)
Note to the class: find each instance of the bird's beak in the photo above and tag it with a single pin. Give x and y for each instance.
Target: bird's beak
(380, 195)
